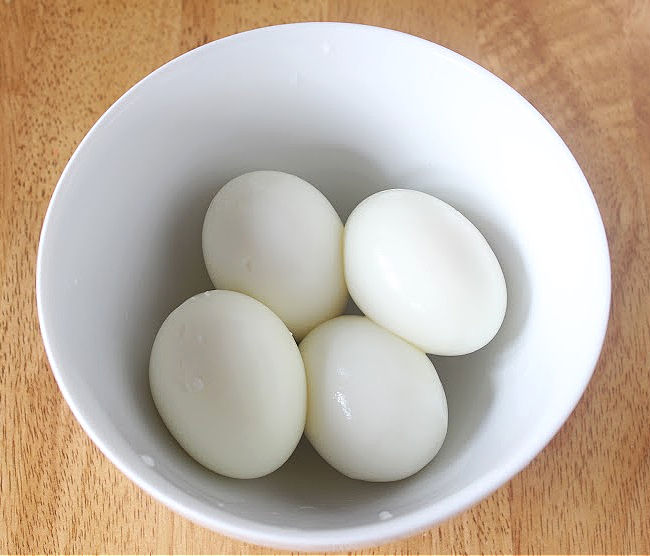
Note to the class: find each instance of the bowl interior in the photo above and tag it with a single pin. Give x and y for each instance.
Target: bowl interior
(353, 110)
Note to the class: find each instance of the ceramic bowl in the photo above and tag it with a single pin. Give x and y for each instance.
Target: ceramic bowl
(353, 110)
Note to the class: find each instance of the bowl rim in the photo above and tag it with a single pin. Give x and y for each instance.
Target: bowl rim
(285, 538)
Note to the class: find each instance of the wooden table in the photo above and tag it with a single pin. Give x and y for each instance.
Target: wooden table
(585, 65)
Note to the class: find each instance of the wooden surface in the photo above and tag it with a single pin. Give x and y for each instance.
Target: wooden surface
(585, 65)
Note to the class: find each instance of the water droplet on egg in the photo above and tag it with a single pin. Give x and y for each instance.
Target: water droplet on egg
(200, 339)
(148, 460)
(383, 516)
(193, 383)
(76, 281)
(343, 403)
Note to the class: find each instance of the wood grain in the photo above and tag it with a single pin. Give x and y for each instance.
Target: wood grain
(585, 65)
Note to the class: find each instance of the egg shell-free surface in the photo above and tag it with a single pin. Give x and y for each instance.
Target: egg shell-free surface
(277, 238)
(377, 410)
(229, 383)
(418, 267)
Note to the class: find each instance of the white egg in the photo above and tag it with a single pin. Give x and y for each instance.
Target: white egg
(377, 410)
(418, 267)
(229, 383)
(276, 238)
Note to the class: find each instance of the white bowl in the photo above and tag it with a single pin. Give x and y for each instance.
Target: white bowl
(352, 109)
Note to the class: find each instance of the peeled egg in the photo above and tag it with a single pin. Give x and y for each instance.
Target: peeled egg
(418, 267)
(275, 237)
(229, 383)
(377, 410)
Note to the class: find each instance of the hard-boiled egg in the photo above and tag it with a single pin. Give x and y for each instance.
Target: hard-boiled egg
(377, 410)
(418, 267)
(229, 383)
(276, 238)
